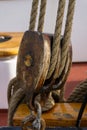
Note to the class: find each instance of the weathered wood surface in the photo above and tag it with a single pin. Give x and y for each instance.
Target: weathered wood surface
(33, 62)
(10, 47)
(63, 114)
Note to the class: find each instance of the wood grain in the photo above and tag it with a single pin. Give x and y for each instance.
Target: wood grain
(10, 47)
(63, 114)
(33, 63)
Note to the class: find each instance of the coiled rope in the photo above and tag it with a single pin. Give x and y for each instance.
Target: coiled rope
(78, 93)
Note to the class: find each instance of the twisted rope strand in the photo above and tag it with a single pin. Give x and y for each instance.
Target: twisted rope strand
(78, 93)
(33, 15)
(67, 70)
(42, 15)
(57, 36)
(17, 97)
(64, 73)
(67, 33)
(11, 83)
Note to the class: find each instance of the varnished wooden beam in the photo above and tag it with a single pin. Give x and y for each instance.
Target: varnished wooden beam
(11, 46)
(62, 115)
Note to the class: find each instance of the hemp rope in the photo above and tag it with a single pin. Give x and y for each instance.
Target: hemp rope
(57, 37)
(63, 80)
(42, 15)
(78, 93)
(33, 14)
(63, 77)
(9, 90)
(65, 74)
(66, 40)
(15, 101)
(67, 33)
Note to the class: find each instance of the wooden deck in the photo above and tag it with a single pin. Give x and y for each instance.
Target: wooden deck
(63, 114)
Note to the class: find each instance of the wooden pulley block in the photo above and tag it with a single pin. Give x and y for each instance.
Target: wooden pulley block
(33, 63)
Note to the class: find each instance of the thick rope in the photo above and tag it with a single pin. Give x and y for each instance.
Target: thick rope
(37, 122)
(56, 72)
(42, 15)
(33, 14)
(78, 93)
(63, 81)
(19, 94)
(67, 33)
(57, 37)
(66, 40)
(64, 74)
(9, 90)
(16, 99)
(63, 77)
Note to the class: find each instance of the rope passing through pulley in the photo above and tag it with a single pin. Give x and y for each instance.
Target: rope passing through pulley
(52, 68)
